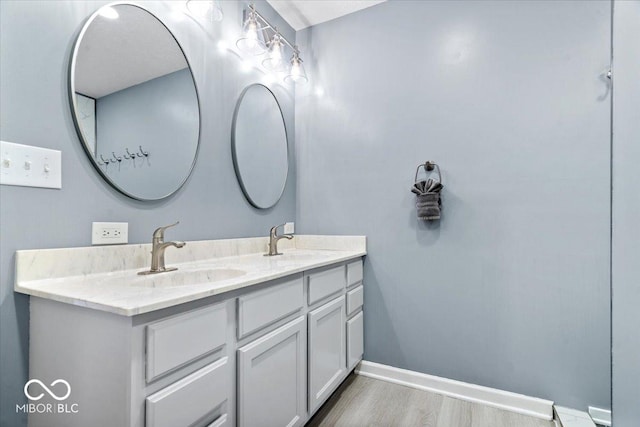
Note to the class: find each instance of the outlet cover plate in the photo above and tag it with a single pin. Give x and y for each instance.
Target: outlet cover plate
(109, 233)
(289, 228)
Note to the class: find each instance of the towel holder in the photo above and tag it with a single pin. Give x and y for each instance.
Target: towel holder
(428, 167)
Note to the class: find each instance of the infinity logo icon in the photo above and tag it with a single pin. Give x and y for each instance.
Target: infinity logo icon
(52, 394)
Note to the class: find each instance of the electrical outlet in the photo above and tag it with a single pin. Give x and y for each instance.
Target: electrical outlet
(289, 228)
(109, 233)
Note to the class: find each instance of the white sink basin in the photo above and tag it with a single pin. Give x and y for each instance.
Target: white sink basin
(187, 277)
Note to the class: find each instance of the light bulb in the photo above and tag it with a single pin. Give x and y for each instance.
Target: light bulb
(274, 60)
(252, 34)
(251, 41)
(296, 73)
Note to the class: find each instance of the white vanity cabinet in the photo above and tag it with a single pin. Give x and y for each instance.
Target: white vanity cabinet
(173, 367)
(269, 354)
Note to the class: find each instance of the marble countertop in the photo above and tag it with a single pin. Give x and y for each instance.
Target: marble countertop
(105, 278)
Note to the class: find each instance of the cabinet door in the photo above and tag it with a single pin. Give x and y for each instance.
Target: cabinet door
(272, 378)
(355, 340)
(327, 352)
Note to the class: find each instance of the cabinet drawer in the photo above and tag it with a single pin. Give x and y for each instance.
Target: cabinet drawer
(191, 399)
(354, 273)
(322, 284)
(355, 340)
(355, 299)
(260, 309)
(173, 342)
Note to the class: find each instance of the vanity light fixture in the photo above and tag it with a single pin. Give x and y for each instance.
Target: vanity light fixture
(209, 10)
(255, 30)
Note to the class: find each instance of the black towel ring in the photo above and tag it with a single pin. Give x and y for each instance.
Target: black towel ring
(428, 167)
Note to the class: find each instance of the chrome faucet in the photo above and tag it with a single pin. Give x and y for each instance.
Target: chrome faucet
(157, 251)
(273, 240)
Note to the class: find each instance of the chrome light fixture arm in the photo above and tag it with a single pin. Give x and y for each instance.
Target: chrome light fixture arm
(256, 30)
(267, 26)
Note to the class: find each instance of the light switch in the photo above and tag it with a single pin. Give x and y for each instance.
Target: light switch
(29, 166)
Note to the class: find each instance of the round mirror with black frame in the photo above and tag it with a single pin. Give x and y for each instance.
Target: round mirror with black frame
(259, 146)
(134, 102)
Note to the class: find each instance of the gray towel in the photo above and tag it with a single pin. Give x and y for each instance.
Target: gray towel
(428, 203)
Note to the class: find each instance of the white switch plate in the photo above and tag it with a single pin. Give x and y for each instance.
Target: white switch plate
(109, 233)
(29, 166)
(290, 228)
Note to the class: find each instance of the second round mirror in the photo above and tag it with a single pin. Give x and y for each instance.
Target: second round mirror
(259, 146)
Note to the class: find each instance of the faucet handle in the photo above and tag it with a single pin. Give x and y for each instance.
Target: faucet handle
(159, 233)
(274, 229)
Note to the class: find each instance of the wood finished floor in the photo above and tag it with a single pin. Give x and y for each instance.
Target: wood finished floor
(362, 401)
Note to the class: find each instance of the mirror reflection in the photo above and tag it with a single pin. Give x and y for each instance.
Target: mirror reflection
(259, 143)
(135, 102)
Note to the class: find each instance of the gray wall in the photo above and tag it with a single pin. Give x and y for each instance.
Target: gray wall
(626, 215)
(161, 115)
(37, 39)
(510, 289)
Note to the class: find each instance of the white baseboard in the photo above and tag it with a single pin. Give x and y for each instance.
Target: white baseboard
(501, 399)
(600, 416)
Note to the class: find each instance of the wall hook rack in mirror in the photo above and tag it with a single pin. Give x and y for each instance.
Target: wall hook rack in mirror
(142, 152)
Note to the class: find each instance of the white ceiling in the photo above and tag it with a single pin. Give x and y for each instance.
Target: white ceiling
(305, 13)
(115, 54)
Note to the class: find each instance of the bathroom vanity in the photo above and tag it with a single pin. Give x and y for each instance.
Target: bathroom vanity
(231, 338)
